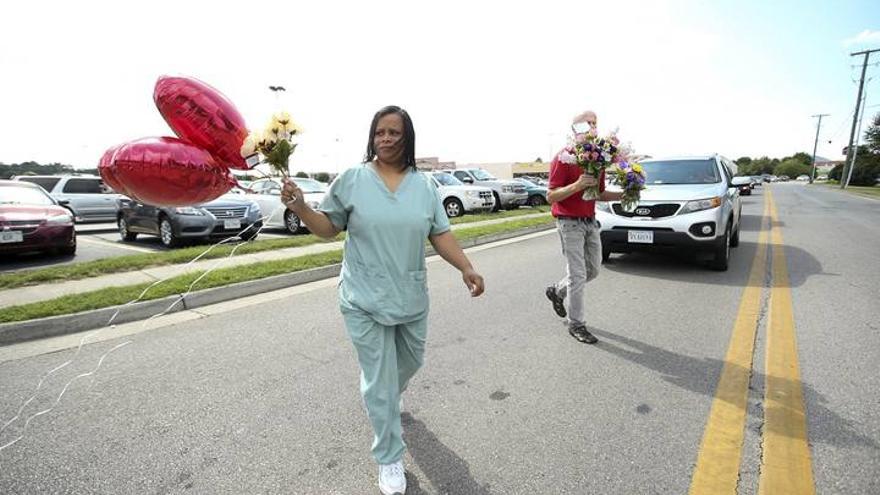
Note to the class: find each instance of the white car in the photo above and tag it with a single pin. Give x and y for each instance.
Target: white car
(459, 198)
(690, 203)
(267, 194)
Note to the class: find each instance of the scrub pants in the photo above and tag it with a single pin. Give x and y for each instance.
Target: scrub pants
(389, 356)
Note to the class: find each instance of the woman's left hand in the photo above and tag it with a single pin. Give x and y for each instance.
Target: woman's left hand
(473, 281)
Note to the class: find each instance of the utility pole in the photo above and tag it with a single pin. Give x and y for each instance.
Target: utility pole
(816, 144)
(849, 150)
(852, 165)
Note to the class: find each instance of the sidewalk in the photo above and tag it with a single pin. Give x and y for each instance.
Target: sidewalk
(14, 332)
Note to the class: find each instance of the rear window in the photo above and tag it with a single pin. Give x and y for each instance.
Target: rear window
(46, 183)
(24, 195)
(682, 172)
(83, 186)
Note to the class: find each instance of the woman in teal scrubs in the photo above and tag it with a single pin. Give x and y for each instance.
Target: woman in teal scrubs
(388, 209)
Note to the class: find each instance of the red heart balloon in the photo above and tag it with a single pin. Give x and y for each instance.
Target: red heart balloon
(202, 116)
(165, 171)
(108, 172)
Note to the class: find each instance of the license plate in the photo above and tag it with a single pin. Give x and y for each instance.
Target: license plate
(11, 236)
(232, 224)
(640, 236)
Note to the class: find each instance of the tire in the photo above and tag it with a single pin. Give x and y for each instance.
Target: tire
(292, 223)
(536, 200)
(497, 206)
(124, 233)
(251, 232)
(166, 233)
(722, 252)
(606, 253)
(453, 208)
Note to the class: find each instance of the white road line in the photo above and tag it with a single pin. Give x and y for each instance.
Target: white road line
(104, 242)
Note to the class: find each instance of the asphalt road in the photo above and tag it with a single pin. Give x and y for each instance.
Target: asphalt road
(262, 395)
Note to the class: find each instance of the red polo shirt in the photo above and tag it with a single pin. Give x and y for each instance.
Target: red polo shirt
(561, 175)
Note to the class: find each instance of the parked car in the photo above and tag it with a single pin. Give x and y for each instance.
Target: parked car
(267, 194)
(744, 184)
(537, 194)
(31, 220)
(803, 178)
(459, 198)
(689, 203)
(86, 196)
(227, 216)
(508, 194)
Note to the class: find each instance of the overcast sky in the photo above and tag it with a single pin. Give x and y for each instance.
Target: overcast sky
(483, 81)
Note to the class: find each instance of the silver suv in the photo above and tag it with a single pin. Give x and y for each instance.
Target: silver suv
(689, 203)
(508, 193)
(86, 196)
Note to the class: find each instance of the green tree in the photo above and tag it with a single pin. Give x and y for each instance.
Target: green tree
(792, 167)
(302, 175)
(322, 177)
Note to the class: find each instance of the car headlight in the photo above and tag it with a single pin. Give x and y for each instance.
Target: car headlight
(507, 189)
(701, 204)
(188, 210)
(254, 208)
(61, 219)
(473, 194)
(313, 204)
(603, 206)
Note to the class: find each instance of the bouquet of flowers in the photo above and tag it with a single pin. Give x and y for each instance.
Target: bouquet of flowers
(593, 153)
(631, 178)
(275, 143)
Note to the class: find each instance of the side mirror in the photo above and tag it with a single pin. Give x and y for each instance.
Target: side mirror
(468, 180)
(63, 202)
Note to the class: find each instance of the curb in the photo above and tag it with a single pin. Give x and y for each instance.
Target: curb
(11, 333)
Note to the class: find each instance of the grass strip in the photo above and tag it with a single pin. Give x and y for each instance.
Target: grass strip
(113, 296)
(119, 264)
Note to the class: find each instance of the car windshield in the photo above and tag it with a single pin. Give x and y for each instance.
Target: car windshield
(13, 195)
(481, 174)
(310, 185)
(447, 179)
(681, 172)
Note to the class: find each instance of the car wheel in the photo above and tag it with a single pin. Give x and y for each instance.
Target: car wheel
(722, 252)
(497, 202)
(292, 223)
(453, 208)
(536, 200)
(251, 232)
(606, 253)
(734, 239)
(124, 233)
(166, 234)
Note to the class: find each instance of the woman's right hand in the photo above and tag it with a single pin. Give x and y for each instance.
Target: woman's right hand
(292, 195)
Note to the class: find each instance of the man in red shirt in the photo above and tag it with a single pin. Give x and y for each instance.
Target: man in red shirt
(578, 232)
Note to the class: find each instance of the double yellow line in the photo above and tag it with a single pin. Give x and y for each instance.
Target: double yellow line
(785, 463)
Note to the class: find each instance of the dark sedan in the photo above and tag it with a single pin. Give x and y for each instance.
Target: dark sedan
(227, 216)
(30, 220)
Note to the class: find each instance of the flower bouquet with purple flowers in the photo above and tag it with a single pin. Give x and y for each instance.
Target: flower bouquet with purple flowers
(593, 153)
(631, 178)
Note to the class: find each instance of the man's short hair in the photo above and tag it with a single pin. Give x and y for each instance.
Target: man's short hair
(583, 115)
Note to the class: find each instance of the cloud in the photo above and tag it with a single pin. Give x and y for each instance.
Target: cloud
(866, 36)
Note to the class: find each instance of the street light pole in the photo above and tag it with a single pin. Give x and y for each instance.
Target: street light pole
(816, 144)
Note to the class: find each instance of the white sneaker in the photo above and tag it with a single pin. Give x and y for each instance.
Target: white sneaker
(392, 480)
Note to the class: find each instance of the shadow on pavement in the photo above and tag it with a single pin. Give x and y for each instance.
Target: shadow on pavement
(448, 472)
(701, 376)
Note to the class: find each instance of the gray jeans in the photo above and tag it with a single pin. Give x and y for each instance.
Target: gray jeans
(582, 248)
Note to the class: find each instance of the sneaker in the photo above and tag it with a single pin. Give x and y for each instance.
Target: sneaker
(392, 479)
(558, 305)
(581, 333)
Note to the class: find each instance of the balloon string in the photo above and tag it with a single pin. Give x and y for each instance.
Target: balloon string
(92, 334)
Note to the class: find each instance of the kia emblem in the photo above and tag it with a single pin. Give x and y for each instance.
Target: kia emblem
(643, 211)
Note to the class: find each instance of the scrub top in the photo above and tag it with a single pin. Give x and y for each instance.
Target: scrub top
(383, 268)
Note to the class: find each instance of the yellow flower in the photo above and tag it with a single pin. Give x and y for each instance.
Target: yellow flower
(637, 168)
(281, 117)
(291, 127)
(249, 146)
